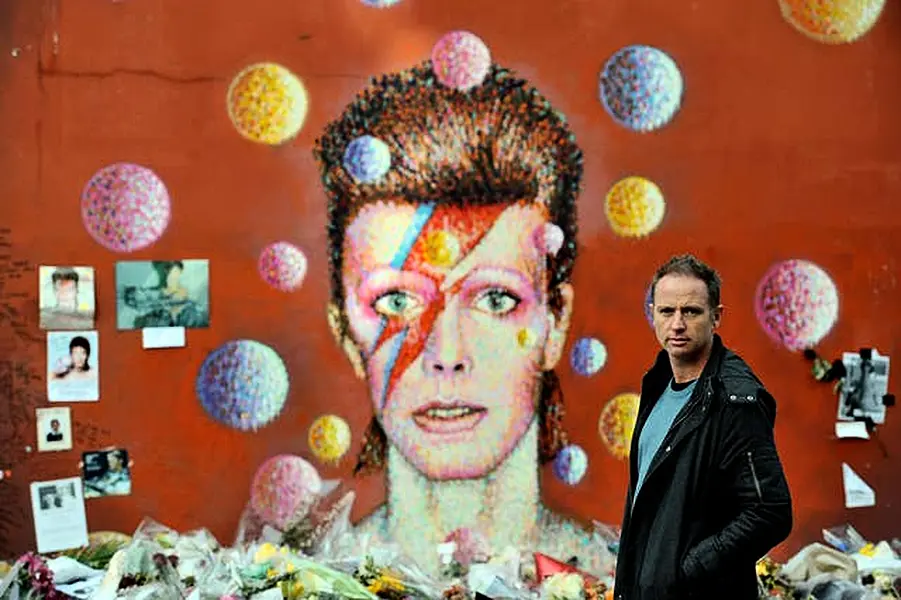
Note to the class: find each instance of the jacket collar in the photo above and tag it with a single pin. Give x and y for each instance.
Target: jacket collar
(662, 368)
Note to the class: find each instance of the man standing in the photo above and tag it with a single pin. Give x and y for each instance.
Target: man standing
(707, 496)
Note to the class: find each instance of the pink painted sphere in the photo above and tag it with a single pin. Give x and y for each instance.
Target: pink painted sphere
(125, 207)
(796, 304)
(283, 266)
(461, 60)
(284, 490)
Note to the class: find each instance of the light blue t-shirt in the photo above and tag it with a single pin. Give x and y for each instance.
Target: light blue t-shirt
(658, 425)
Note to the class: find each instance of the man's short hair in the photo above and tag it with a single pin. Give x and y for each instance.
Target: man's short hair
(688, 265)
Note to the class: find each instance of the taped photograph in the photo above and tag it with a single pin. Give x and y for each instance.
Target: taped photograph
(66, 297)
(106, 473)
(162, 293)
(73, 363)
(864, 385)
(54, 429)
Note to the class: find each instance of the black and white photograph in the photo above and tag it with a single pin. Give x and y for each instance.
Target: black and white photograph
(106, 473)
(60, 522)
(863, 387)
(162, 293)
(54, 429)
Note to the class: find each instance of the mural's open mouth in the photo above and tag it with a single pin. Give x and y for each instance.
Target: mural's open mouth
(436, 418)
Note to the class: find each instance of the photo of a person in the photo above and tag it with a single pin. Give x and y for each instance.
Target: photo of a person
(162, 293)
(66, 297)
(50, 497)
(54, 435)
(451, 297)
(54, 429)
(56, 496)
(73, 361)
(106, 473)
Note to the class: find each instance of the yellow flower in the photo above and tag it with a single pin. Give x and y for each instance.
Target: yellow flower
(297, 590)
(386, 583)
(290, 568)
(271, 574)
(265, 552)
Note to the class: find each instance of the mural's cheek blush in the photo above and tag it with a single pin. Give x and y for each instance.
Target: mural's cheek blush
(366, 323)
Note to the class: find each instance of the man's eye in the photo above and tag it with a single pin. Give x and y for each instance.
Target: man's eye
(397, 304)
(497, 302)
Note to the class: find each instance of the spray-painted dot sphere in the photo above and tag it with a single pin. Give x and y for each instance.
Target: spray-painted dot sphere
(283, 266)
(284, 489)
(617, 423)
(641, 88)
(125, 207)
(267, 103)
(329, 438)
(243, 384)
(461, 60)
(367, 159)
(571, 464)
(648, 301)
(634, 207)
(796, 304)
(588, 356)
(832, 21)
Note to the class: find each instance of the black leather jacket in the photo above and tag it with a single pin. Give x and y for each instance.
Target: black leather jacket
(715, 498)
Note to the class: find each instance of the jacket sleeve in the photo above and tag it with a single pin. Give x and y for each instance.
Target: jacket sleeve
(752, 473)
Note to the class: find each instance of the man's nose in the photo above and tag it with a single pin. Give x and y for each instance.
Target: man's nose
(446, 353)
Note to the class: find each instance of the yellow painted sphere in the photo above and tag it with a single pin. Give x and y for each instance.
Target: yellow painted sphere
(442, 249)
(617, 423)
(832, 21)
(634, 207)
(267, 103)
(329, 438)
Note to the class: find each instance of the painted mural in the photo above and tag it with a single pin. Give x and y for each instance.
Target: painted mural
(452, 243)
(432, 237)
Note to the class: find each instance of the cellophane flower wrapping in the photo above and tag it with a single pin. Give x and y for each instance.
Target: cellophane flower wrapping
(327, 519)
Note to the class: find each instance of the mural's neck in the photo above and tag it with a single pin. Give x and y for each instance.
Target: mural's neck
(503, 506)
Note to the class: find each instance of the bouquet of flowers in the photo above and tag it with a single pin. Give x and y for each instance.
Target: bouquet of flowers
(30, 579)
(297, 577)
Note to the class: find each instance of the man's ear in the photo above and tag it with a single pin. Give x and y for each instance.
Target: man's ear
(559, 328)
(345, 342)
(717, 315)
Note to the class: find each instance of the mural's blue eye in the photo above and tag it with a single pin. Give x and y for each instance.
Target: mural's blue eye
(397, 304)
(497, 302)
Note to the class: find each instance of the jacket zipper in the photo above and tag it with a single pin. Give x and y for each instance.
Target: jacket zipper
(754, 476)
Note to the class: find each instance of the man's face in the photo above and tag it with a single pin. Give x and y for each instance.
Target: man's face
(449, 312)
(79, 357)
(54, 425)
(115, 463)
(683, 320)
(66, 292)
(173, 278)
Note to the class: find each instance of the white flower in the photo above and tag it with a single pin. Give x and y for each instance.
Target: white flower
(562, 586)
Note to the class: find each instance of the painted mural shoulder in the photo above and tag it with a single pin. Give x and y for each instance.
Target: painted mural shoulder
(564, 539)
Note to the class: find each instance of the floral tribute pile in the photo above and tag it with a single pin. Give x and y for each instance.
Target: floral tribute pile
(313, 552)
